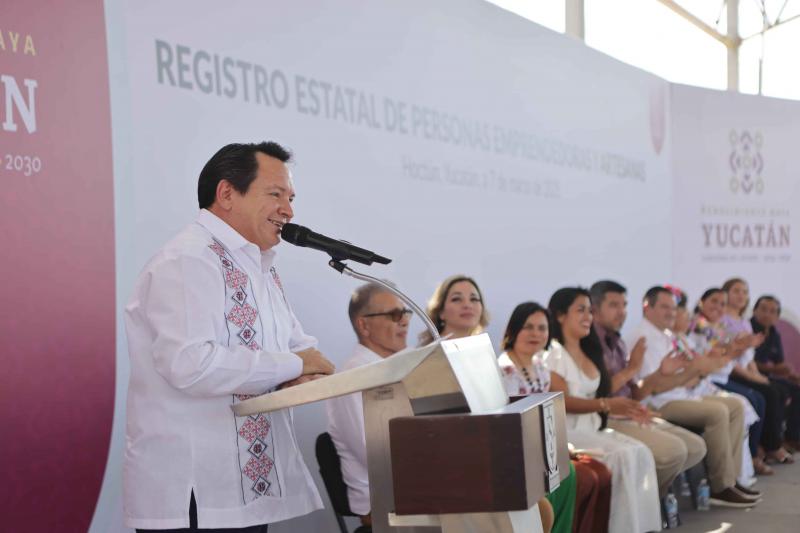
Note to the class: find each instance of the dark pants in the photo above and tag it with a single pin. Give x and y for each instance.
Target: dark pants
(792, 391)
(194, 529)
(759, 404)
(774, 412)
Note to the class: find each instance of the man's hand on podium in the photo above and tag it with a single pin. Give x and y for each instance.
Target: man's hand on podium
(300, 380)
(314, 362)
(315, 366)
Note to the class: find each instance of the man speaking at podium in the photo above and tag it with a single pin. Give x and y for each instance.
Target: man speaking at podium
(209, 325)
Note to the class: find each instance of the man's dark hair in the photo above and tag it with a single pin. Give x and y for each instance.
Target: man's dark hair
(768, 298)
(237, 164)
(518, 318)
(651, 296)
(599, 290)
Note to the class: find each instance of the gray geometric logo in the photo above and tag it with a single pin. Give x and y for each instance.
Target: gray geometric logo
(746, 162)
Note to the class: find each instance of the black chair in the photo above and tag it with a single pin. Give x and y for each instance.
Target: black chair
(330, 468)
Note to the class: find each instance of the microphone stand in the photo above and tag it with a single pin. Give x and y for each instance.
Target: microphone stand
(344, 269)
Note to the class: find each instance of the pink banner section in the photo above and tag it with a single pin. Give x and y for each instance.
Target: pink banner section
(57, 295)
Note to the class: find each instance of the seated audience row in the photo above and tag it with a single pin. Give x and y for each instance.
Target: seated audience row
(719, 418)
(688, 388)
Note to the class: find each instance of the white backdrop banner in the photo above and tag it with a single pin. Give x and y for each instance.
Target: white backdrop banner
(736, 192)
(451, 136)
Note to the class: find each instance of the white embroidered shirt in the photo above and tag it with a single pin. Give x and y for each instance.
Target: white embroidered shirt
(208, 324)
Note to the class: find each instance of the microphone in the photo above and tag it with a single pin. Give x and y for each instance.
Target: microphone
(339, 250)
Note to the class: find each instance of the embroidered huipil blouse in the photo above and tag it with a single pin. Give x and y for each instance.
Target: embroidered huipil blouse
(208, 325)
(705, 335)
(515, 381)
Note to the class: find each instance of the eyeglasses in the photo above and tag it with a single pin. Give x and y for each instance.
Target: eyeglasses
(395, 315)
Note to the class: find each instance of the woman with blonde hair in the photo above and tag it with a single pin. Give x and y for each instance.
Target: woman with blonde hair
(456, 308)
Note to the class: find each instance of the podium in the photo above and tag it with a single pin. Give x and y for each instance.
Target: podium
(446, 450)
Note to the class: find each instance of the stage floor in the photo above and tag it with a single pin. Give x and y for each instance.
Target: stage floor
(779, 512)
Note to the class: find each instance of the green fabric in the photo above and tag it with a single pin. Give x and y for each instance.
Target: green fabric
(563, 502)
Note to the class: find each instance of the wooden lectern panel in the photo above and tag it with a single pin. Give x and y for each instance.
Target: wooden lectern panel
(471, 463)
(458, 464)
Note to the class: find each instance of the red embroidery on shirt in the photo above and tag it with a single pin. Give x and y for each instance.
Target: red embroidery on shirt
(258, 467)
(276, 278)
(248, 430)
(263, 426)
(257, 448)
(242, 314)
(239, 296)
(217, 248)
(235, 279)
(253, 429)
(254, 440)
(262, 486)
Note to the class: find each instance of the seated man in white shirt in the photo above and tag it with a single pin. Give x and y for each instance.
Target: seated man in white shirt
(208, 325)
(380, 322)
(720, 418)
(674, 449)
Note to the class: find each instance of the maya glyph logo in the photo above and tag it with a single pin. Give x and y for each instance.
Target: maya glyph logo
(746, 162)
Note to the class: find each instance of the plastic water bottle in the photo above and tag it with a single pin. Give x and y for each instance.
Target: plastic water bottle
(671, 508)
(685, 490)
(703, 495)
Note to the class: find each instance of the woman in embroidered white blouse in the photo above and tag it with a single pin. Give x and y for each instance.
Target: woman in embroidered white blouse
(521, 363)
(583, 499)
(577, 369)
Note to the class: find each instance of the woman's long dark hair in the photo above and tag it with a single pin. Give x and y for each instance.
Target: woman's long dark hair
(517, 320)
(559, 304)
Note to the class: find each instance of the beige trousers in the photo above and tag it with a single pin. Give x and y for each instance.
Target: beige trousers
(674, 448)
(722, 420)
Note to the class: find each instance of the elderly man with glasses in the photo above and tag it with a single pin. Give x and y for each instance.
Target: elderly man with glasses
(380, 322)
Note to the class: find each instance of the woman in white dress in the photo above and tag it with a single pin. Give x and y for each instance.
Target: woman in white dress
(577, 369)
